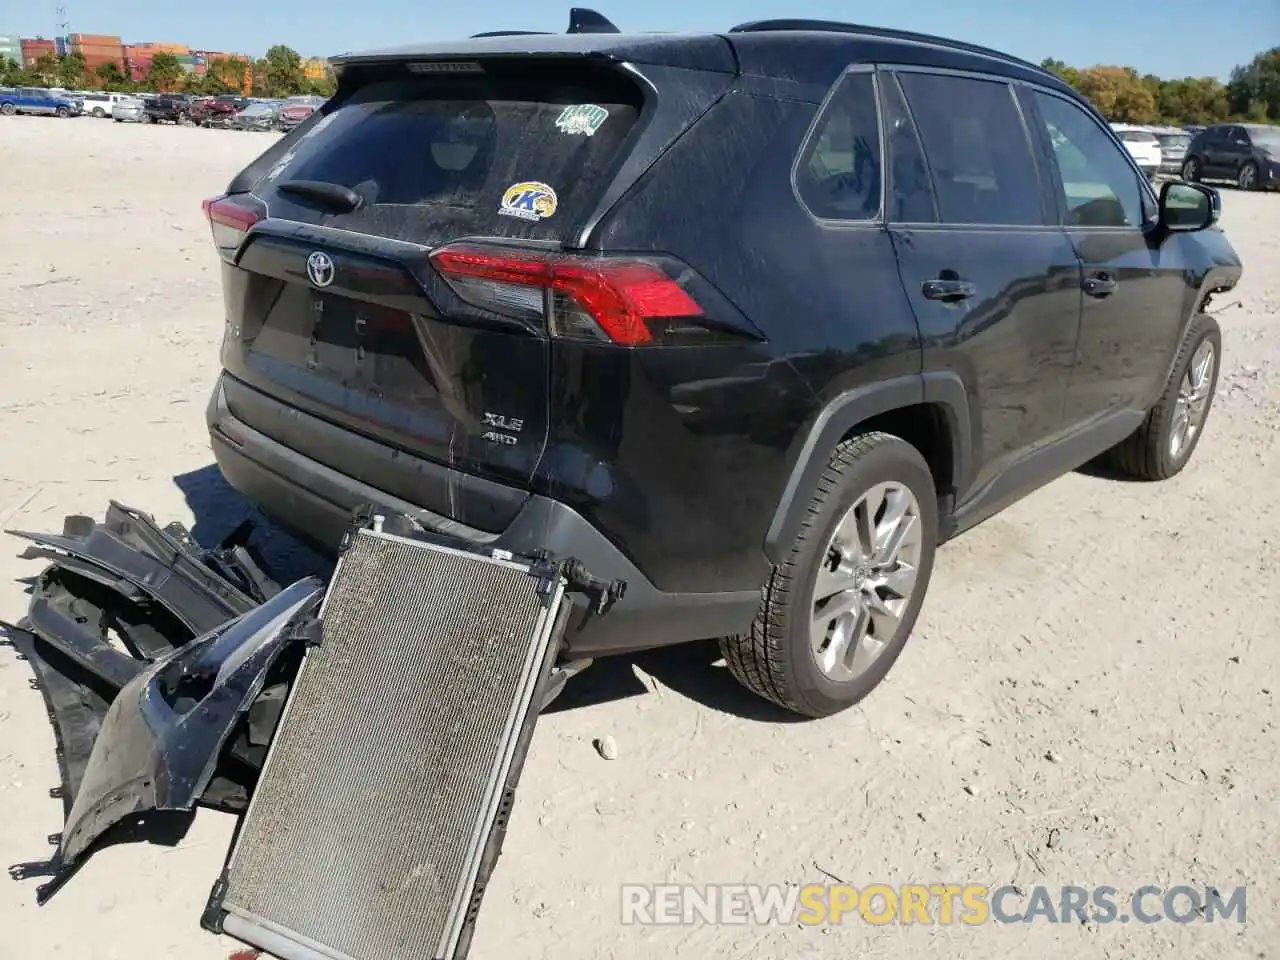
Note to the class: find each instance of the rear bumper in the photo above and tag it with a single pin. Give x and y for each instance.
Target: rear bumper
(316, 502)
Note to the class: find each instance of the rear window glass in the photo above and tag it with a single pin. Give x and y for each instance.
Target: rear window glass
(436, 159)
(1137, 136)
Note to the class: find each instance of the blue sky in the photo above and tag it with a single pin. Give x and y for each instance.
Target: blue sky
(1185, 37)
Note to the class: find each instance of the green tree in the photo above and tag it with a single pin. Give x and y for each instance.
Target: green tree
(1118, 93)
(72, 71)
(226, 76)
(1257, 82)
(12, 74)
(324, 87)
(281, 72)
(45, 70)
(165, 73)
(111, 76)
(1068, 75)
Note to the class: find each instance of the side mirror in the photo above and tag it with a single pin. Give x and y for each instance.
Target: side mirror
(1187, 207)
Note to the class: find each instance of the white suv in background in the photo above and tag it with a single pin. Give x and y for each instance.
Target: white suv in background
(1142, 144)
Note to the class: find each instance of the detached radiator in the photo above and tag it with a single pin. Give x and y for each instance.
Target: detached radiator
(385, 794)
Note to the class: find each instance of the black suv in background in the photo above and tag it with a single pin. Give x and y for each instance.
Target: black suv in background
(1248, 153)
(754, 320)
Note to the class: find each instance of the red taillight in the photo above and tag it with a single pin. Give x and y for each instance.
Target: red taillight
(229, 221)
(596, 298)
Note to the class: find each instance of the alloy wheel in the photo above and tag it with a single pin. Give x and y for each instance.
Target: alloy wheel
(1193, 400)
(866, 580)
(1248, 177)
(1191, 171)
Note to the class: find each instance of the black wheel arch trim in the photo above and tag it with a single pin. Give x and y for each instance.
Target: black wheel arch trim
(840, 416)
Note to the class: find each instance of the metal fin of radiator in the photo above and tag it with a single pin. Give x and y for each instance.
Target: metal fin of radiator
(384, 797)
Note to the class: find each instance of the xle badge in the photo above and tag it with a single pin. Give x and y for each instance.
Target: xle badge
(581, 118)
(528, 200)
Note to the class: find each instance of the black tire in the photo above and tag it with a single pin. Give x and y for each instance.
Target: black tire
(1146, 454)
(1191, 170)
(8, 109)
(774, 659)
(1247, 178)
(63, 112)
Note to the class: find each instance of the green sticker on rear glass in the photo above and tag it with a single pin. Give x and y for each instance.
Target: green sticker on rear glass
(581, 118)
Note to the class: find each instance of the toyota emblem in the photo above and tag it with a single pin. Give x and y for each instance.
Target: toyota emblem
(320, 268)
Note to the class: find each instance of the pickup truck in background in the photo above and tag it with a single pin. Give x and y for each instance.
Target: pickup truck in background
(36, 100)
(297, 109)
(166, 108)
(216, 112)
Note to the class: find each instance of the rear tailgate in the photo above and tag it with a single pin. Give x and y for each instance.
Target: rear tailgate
(374, 342)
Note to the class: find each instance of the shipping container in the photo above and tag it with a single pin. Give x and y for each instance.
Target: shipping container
(11, 47)
(94, 38)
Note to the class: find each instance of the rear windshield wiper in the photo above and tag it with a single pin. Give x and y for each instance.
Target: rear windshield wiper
(337, 197)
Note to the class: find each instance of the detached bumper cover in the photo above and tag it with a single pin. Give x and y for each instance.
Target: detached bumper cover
(160, 742)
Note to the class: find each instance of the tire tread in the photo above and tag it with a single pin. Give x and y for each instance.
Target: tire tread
(757, 658)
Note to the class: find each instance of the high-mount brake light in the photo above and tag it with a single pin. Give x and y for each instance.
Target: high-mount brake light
(620, 301)
(229, 221)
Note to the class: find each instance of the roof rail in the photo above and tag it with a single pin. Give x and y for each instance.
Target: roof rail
(582, 20)
(887, 33)
(510, 33)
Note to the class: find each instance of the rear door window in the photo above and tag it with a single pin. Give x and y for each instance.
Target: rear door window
(438, 159)
(983, 168)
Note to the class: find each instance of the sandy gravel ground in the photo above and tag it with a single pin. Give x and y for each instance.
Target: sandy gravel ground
(1099, 666)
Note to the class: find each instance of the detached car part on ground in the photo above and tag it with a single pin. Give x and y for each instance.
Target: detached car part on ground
(166, 669)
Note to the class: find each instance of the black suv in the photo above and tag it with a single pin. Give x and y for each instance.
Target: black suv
(1248, 153)
(753, 320)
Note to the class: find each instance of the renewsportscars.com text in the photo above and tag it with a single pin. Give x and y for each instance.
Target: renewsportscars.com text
(927, 904)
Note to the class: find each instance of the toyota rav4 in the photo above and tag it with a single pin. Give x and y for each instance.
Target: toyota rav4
(752, 320)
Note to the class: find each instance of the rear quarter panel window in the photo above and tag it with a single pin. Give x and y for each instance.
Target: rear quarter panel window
(838, 176)
(983, 168)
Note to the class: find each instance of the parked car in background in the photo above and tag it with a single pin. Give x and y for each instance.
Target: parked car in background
(218, 111)
(166, 108)
(1173, 148)
(1248, 153)
(1142, 144)
(95, 104)
(128, 110)
(36, 100)
(257, 116)
(297, 109)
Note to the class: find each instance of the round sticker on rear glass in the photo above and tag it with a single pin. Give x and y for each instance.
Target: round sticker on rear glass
(528, 200)
(581, 119)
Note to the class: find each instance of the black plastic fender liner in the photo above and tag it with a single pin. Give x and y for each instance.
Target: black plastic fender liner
(162, 736)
